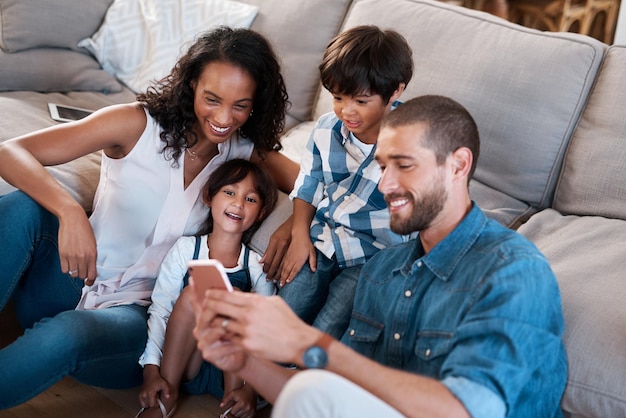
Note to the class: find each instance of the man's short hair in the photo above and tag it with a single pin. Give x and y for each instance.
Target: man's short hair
(367, 59)
(449, 125)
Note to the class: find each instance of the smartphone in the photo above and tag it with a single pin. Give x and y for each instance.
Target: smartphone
(208, 274)
(64, 113)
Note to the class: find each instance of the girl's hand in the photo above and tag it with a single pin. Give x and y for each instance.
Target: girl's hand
(153, 387)
(241, 402)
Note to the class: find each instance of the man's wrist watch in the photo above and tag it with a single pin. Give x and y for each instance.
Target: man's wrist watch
(316, 356)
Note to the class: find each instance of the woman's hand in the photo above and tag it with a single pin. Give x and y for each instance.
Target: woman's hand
(77, 246)
(300, 251)
(276, 249)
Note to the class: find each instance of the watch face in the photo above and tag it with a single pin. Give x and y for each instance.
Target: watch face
(315, 358)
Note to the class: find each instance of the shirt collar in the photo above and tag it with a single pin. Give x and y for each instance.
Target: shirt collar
(444, 257)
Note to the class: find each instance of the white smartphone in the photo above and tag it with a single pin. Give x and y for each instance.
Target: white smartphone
(208, 274)
(64, 113)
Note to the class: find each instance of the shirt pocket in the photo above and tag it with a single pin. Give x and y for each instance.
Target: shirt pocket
(363, 334)
(432, 348)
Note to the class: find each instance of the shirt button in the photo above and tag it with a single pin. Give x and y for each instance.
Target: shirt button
(419, 264)
(396, 336)
(427, 352)
(352, 332)
(408, 293)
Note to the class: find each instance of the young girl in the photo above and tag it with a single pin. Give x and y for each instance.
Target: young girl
(240, 195)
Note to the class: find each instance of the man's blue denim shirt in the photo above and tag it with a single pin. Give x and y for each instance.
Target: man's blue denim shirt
(481, 312)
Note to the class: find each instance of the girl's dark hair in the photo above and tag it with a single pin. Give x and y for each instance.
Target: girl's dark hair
(366, 58)
(171, 100)
(232, 172)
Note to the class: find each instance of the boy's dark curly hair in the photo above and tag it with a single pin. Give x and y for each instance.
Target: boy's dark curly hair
(171, 100)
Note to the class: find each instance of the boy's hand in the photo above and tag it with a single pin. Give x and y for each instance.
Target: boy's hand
(300, 251)
(153, 386)
(276, 249)
(241, 402)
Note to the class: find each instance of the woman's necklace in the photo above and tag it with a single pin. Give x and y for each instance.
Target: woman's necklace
(193, 156)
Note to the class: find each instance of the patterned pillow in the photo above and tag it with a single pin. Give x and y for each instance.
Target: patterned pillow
(140, 40)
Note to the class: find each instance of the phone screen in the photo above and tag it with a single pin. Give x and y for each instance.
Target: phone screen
(73, 114)
(208, 274)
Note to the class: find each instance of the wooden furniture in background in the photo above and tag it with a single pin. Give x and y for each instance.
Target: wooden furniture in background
(568, 16)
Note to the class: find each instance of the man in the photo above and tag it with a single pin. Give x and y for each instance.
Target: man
(463, 321)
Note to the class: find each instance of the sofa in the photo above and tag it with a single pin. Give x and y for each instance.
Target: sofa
(550, 107)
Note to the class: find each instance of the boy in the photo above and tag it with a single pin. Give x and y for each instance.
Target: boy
(340, 219)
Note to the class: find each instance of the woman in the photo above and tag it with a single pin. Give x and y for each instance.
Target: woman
(224, 99)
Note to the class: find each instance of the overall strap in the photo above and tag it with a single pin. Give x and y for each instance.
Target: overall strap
(196, 252)
(246, 257)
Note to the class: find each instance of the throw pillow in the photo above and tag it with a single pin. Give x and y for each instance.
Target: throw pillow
(28, 24)
(54, 69)
(141, 40)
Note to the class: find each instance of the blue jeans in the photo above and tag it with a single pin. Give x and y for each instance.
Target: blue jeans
(98, 347)
(30, 270)
(324, 298)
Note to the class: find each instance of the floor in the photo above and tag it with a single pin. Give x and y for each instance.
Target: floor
(70, 399)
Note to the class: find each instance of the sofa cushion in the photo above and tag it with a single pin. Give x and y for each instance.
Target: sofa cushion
(54, 69)
(593, 180)
(525, 88)
(28, 112)
(28, 24)
(140, 40)
(587, 256)
(300, 32)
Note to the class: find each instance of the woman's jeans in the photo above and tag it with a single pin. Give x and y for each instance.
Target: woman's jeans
(97, 347)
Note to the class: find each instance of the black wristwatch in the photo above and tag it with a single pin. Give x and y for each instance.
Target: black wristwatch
(316, 356)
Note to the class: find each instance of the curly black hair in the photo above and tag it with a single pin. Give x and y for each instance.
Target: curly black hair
(171, 100)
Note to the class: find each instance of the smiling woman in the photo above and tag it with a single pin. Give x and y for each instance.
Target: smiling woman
(148, 196)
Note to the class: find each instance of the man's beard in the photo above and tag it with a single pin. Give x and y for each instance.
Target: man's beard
(424, 211)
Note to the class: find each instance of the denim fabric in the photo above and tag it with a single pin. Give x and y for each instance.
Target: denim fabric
(324, 298)
(209, 380)
(483, 305)
(29, 232)
(73, 343)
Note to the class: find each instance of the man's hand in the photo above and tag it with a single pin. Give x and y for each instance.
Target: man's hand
(263, 327)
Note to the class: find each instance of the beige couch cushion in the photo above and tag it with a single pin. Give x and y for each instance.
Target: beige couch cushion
(588, 257)
(28, 24)
(525, 88)
(300, 31)
(54, 69)
(593, 180)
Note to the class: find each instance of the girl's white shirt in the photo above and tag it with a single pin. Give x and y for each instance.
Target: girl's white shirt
(170, 283)
(140, 209)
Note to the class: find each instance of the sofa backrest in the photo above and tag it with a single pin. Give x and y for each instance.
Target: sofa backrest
(593, 180)
(525, 88)
(300, 31)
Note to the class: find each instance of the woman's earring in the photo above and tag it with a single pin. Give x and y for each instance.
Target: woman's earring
(251, 112)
